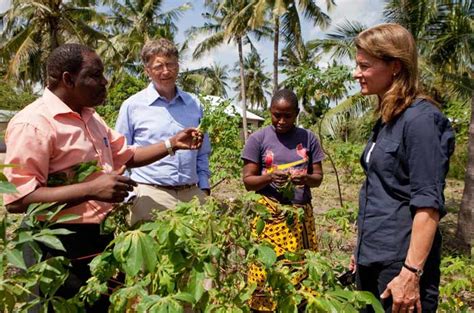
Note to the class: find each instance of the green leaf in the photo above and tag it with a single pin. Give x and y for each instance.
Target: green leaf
(369, 298)
(141, 255)
(84, 169)
(66, 218)
(196, 284)
(266, 255)
(15, 258)
(260, 225)
(6, 187)
(185, 297)
(50, 241)
(56, 232)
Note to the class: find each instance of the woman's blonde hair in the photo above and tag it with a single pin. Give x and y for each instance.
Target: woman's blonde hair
(392, 42)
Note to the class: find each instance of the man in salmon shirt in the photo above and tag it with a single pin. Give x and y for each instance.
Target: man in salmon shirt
(60, 130)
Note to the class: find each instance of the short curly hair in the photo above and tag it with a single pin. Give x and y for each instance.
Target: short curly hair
(65, 58)
(288, 95)
(161, 46)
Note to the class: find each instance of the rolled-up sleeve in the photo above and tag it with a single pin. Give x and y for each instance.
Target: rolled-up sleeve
(28, 150)
(121, 151)
(202, 163)
(424, 155)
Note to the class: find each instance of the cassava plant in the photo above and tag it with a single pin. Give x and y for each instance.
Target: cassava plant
(198, 256)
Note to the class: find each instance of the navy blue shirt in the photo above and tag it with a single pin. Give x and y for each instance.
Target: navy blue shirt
(405, 162)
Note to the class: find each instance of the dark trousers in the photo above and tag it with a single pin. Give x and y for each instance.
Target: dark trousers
(81, 247)
(375, 278)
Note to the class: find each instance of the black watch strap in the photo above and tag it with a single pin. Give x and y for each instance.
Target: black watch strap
(412, 269)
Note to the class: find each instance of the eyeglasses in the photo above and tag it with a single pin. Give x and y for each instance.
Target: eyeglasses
(160, 67)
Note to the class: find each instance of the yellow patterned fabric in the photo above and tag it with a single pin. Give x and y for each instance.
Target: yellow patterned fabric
(284, 238)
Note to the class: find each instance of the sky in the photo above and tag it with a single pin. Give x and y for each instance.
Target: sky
(368, 12)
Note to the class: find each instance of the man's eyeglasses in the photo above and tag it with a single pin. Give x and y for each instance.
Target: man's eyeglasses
(160, 67)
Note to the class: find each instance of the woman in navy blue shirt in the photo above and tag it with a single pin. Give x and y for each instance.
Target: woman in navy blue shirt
(397, 255)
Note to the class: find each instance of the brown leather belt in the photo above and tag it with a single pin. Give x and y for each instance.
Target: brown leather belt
(180, 187)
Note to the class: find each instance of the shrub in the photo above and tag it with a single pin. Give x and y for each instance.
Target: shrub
(117, 94)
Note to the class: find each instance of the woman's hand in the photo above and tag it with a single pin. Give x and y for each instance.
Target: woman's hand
(405, 292)
(299, 179)
(353, 264)
(279, 178)
(187, 139)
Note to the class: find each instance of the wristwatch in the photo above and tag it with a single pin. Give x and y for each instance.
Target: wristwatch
(412, 269)
(169, 147)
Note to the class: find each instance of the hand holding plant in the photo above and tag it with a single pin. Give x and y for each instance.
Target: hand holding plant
(187, 139)
(112, 187)
(299, 179)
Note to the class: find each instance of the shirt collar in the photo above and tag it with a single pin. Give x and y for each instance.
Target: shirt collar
(57, 107)
(153, 95)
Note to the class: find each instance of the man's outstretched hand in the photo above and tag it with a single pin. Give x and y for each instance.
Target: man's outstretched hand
(187, 139)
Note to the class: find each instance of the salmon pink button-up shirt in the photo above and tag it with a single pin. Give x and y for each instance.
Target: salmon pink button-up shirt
(47, 137)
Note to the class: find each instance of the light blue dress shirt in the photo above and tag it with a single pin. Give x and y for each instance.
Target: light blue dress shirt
(147, 118)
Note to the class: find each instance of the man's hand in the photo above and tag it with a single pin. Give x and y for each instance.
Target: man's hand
(189, 138)
(111, 187)
(405, 292)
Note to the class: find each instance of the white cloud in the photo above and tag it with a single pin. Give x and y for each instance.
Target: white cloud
(4, 5)
(368, 12)
(223, 54)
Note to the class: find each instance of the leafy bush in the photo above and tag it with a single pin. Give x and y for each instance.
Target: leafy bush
(346, 156)
(457, 274)
(337, 231)
(199, 255)
(459, 113)
(222, 124)
(117, 94)
(11, 99)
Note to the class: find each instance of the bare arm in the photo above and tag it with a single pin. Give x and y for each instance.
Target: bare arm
(252, 178)
(189, 138)
(111, 187)
(405, 288)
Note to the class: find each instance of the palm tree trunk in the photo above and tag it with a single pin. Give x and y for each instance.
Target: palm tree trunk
(465, 231)
(276, 39)
(242, 89)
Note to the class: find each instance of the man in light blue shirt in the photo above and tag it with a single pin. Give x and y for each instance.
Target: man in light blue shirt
(156, 114)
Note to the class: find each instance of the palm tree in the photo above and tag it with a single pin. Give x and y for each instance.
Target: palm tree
(33, 28)
(134, 22)
(257, 83)
(224, 26)
(208, 81)
(340, 42)
(286, 21)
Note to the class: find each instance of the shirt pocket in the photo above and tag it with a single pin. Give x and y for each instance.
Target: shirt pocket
(386, 158)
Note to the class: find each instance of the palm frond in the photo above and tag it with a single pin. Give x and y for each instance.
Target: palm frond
(208, 44)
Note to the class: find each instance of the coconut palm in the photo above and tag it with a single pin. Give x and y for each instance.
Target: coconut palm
(224, 26)
(286, 21)
(132, 23)
(340, 42)
(33, 28)
(257, 83)
(208, 81)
